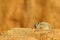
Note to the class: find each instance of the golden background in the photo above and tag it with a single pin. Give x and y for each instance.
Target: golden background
(25, 13)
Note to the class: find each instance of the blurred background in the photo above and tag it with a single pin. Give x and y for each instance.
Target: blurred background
(25, 13)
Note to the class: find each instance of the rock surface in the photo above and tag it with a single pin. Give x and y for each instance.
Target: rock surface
(30, 34)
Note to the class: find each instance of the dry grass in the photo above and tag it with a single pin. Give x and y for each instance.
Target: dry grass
(25, 13)
(30, 34)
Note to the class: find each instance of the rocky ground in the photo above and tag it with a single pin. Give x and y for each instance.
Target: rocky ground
(30, 34)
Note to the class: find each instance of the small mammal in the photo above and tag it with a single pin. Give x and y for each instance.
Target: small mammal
(43, 26)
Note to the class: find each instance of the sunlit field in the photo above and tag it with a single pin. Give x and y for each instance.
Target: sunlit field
(25, 13)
